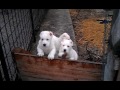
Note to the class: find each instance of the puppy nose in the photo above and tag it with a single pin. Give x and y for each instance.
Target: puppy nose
(44, 44)
(64, 50)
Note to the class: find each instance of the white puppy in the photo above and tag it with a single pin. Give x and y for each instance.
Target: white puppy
(66, 48)
(46, 44)
(49, 43)
(61, 37)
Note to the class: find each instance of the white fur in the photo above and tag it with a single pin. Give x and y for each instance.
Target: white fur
(52, 43)
(67, 45)
(61, 37)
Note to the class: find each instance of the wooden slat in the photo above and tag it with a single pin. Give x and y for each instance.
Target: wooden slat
(31, 78)
(59, 77)
(44, 69)
(40, 62)
(57, 69)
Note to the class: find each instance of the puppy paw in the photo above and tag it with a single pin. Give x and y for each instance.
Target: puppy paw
(40, 54)
(50, 56)
(60, 54)
(72, 59)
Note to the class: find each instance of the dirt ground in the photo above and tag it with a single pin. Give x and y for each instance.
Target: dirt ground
(89, 33)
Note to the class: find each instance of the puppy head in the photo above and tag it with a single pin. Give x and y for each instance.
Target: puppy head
(66, 45)
(64, 36)
(46, 37)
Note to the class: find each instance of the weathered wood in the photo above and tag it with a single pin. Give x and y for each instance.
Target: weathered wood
(59, 77)
(57, 69)
(31, 78)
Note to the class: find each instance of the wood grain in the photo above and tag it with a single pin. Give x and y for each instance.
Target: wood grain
(57, 69)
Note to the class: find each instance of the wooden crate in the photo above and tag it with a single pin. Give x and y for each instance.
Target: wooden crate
(36, 68)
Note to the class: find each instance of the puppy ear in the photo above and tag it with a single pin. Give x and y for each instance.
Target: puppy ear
(51, 33)
(40, 34)
(62, 41)
(71, 42)
(66, 36)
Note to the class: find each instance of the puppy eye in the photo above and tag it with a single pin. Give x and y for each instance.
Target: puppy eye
(47, 39)
(68, 46)
(42, 39)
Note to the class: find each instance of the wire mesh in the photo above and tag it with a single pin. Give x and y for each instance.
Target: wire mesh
(16, 31)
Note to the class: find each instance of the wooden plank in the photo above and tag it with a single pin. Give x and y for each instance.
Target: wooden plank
(57, 69)
(19, 51)
(31, 78)
(45, 77)
(43, 62)
(58, 75)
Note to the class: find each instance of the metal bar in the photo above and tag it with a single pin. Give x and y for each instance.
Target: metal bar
(23, 24)
(14, 25)
(17, 31)
(10, 30)
(18, 27)
(18, 77)
(21, 28)
(32, 25)
(1, 76)
(4, 66)
(10, 73)
(23, 34)
(27, 32)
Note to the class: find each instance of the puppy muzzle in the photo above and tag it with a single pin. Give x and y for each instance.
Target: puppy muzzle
(64, 50)
(44, 45)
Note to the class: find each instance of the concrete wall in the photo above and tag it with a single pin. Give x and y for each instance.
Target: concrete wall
(115, 47)
(115, 32)
(109, 67)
